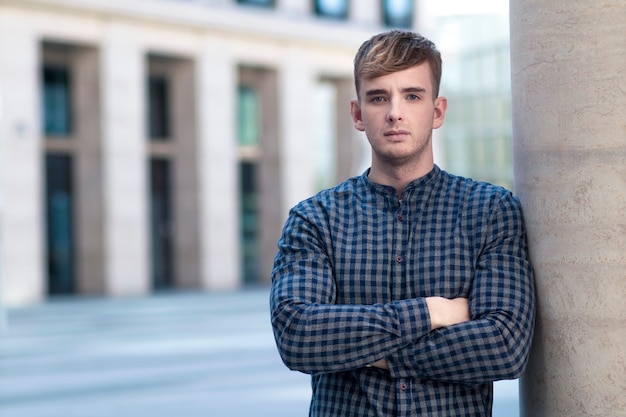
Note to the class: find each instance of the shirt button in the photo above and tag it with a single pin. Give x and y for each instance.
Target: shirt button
(400, 217)
(398, 258)
(403, 386)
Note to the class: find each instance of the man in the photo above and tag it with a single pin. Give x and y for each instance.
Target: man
(406, 291)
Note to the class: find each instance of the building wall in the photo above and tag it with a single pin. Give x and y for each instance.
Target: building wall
(206, 48)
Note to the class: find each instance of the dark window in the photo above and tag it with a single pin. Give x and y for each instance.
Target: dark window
(249, 226)
(56, 101)
(59, 223)
(158, 107)
(398, 13)
(336, 9)
(262, 3)
(161, 219)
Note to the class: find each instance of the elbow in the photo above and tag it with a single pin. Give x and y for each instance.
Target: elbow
(517, 358)
(290, 348)
(515, 368)
(292, 362)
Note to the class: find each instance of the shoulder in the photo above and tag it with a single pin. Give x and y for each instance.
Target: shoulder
(331, 198)
(480, 196)
(474, 189)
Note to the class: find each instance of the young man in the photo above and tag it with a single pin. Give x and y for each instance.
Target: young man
(405, 291)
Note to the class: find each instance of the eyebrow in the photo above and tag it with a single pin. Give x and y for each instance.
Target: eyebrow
(380, 91)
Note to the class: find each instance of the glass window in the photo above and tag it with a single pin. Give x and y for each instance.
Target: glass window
(337, 9)
(56, 101)
(161, 223)
(158, 107)
(398, 13)
(263, 3)
(59, 223)
(248, 116)
(249, 226)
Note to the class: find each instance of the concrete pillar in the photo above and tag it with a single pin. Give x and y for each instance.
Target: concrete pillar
(21, 226)
(568, 61)
(217, 154)
(297, 80)
(125, 163)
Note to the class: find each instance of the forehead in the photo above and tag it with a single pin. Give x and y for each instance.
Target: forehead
(418, 76)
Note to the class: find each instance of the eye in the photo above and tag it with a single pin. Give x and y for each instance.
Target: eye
(413, 97)
(377, 99)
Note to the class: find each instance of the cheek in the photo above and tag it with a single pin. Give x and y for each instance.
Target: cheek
(371, 119)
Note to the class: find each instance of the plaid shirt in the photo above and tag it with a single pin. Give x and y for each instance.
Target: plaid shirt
(348, 285)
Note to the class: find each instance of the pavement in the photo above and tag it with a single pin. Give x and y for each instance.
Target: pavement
(170, 354)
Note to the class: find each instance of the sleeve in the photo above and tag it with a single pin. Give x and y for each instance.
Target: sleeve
(315, 335)
(495, 343)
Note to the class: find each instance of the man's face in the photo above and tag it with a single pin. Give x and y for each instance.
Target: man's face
(397, 112)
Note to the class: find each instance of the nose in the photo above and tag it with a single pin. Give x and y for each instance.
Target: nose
(395, 112)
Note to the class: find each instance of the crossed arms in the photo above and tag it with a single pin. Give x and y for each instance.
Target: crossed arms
(479, 337)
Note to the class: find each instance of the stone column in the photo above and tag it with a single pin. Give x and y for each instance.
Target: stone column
(568, 63)
(297, 80)
(22, 231)
(124, 163)
(217, 162)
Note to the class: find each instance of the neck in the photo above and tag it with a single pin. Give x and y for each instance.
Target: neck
(398, 176)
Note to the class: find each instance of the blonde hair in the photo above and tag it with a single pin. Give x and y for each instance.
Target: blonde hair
(393, 51)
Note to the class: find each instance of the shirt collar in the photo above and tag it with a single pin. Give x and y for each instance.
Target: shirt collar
(389, 190)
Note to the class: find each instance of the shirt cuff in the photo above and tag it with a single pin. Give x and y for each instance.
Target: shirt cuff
(413, 319)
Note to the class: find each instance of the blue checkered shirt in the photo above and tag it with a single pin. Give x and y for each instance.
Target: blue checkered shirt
(353, 267)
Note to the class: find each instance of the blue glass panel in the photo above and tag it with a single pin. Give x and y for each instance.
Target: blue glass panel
(249, 222)
(161, 223)
(398, 13)
(158, 108)
(264, 3)
(59, 223)
(56, 101)
(332, 8)
(248, 116)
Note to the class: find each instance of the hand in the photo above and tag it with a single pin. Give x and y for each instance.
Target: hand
(382, 364)
(446, 312)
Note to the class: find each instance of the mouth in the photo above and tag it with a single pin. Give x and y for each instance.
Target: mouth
(396, 134)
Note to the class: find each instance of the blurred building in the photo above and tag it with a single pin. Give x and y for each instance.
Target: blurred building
(476, 138)
(156, 144)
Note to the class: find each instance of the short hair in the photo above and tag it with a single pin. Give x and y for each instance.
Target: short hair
(393, 51)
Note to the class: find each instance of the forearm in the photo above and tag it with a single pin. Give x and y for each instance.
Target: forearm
(493, 345)
(474, 352)
(314, 337)
(442, 312)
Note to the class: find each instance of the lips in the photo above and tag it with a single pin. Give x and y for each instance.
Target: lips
(396, 133)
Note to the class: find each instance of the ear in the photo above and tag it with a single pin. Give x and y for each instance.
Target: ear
(441, 105)
(355, 112)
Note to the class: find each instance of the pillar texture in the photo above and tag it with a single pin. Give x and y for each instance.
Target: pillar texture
(568, 63)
